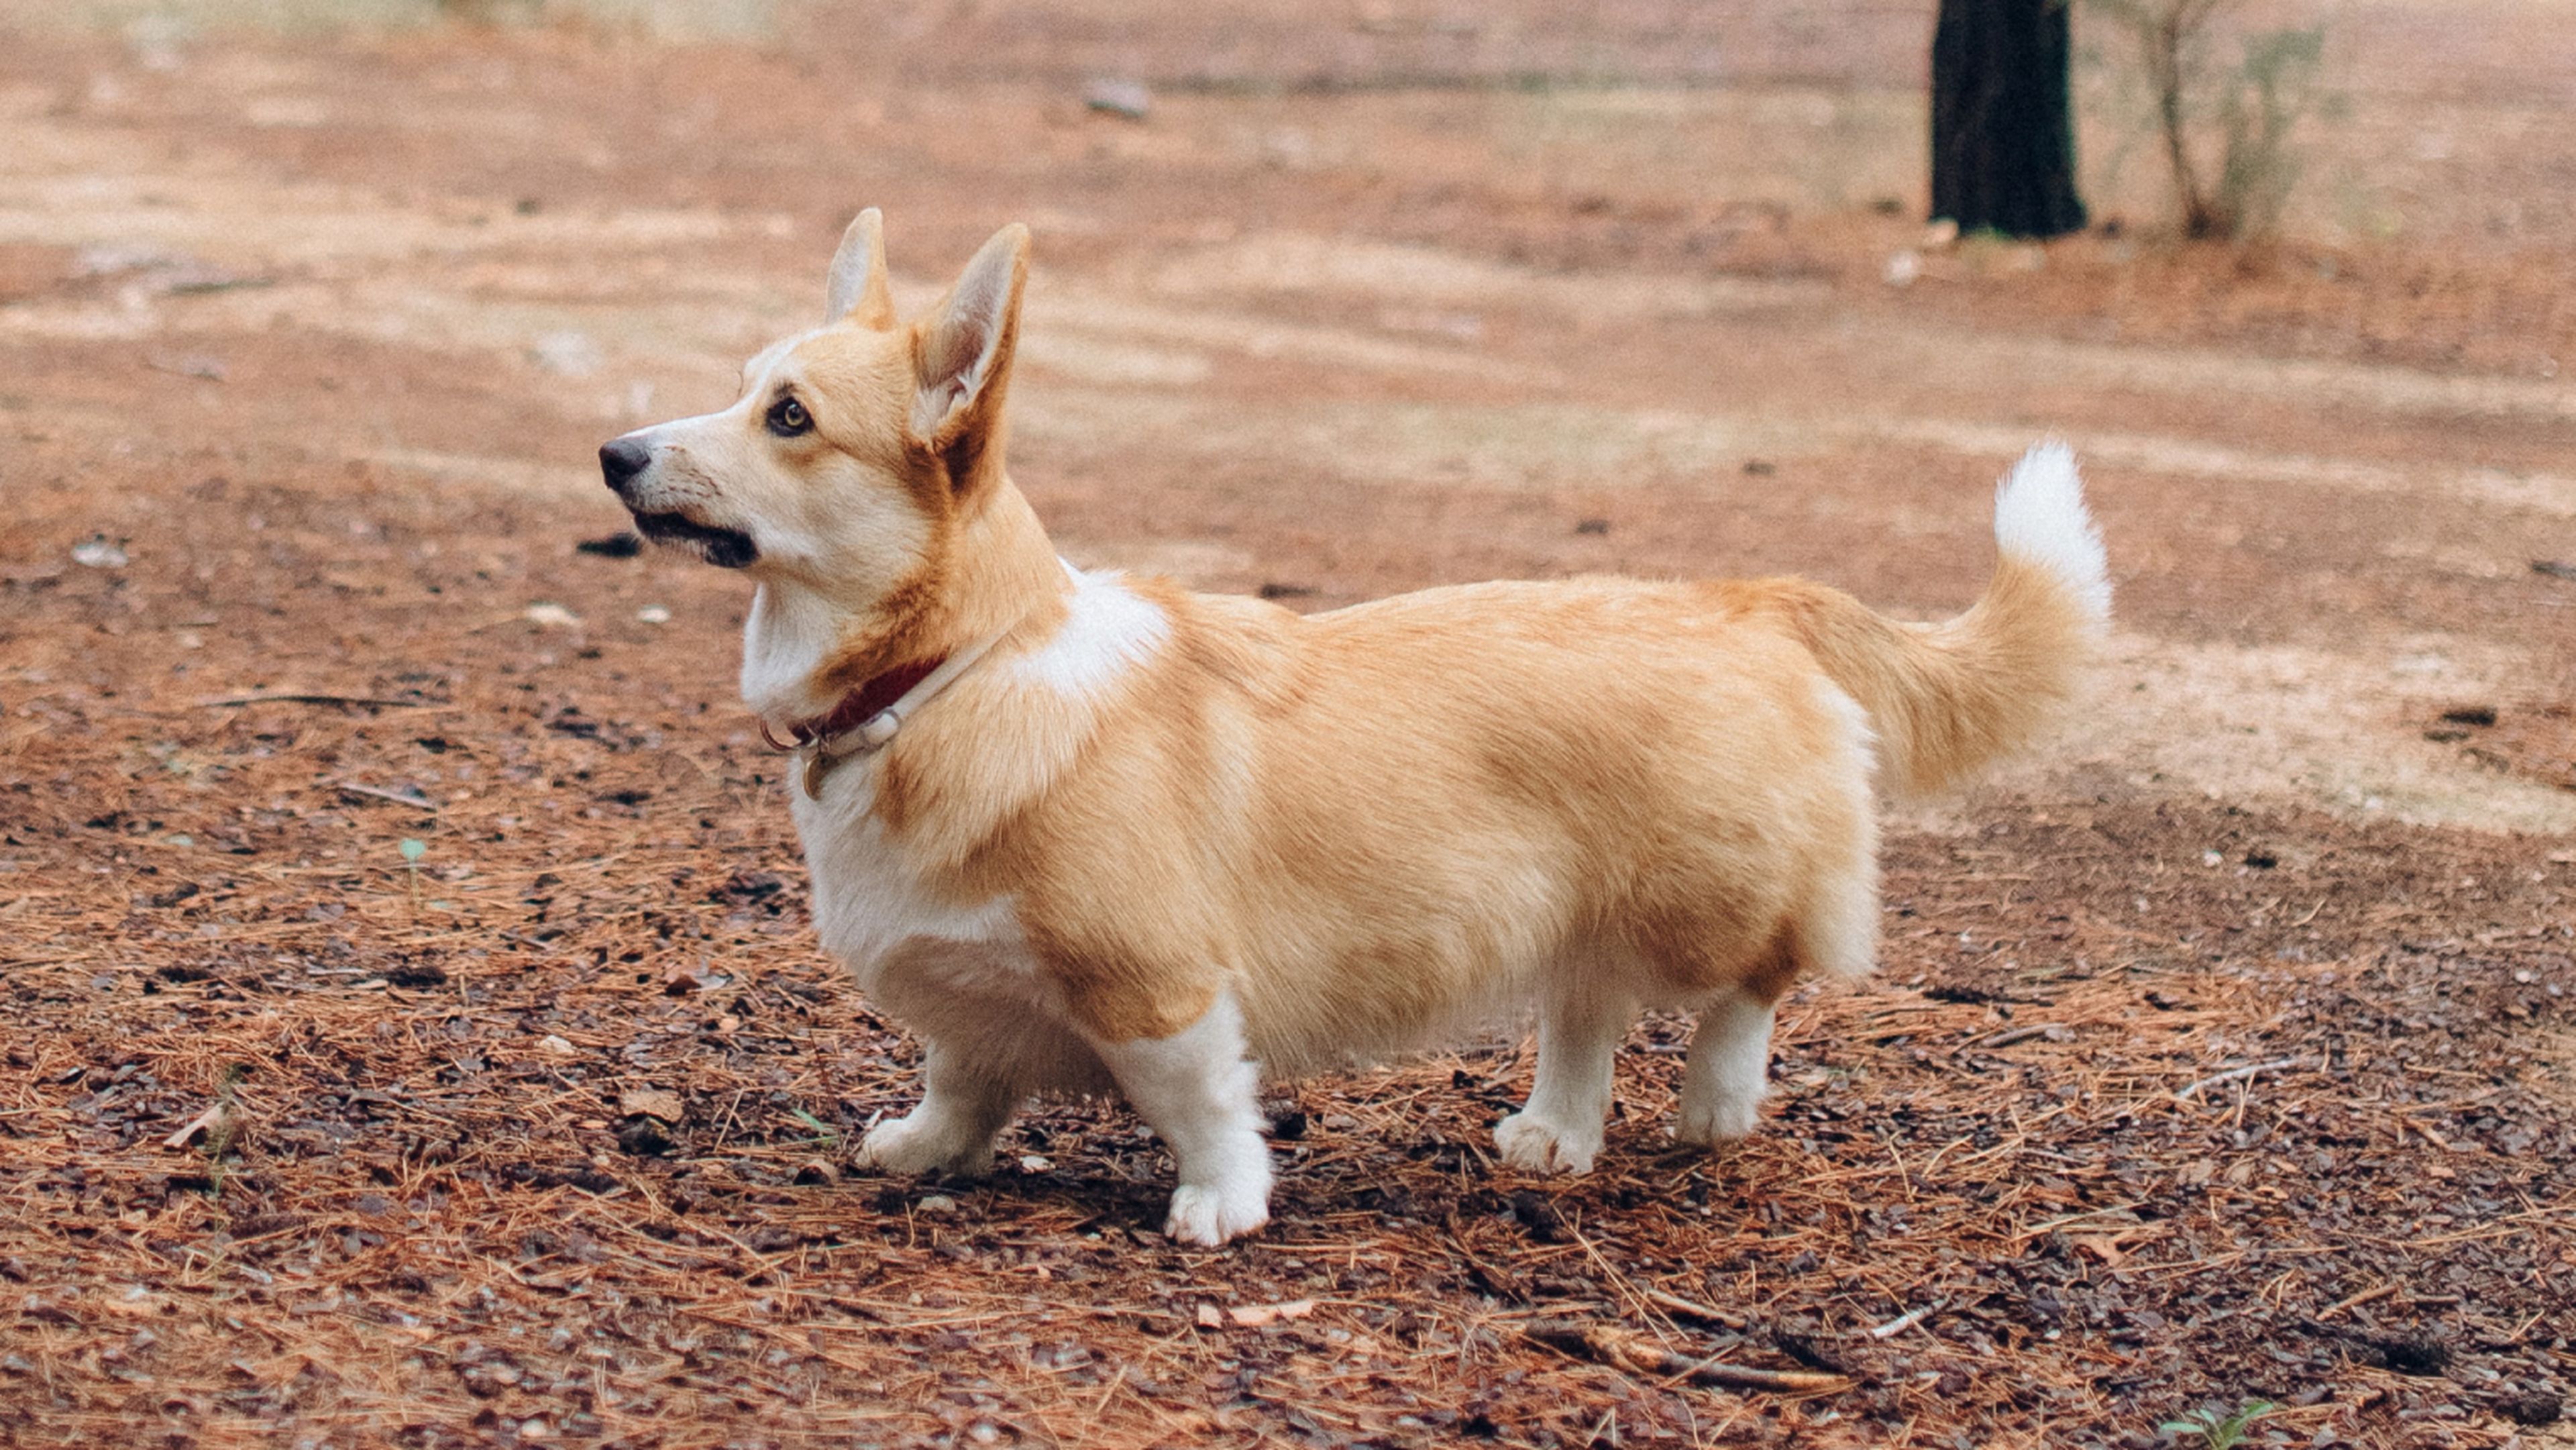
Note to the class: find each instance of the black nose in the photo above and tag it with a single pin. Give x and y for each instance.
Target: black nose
(620, 459)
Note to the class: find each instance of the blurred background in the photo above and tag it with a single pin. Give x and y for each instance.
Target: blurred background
(1336, 301)
(2433, 122)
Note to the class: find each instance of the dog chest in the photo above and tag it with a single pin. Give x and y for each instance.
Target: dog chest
(869, 898)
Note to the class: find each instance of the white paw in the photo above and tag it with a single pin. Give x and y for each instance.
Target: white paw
(1531, 1142)
(910, 1145)
(1211, 1216)
(1711, 1125)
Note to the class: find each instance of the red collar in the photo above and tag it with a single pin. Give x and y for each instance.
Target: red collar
(856, 707)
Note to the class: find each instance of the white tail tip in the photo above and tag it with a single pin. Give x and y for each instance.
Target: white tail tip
(2040, 519)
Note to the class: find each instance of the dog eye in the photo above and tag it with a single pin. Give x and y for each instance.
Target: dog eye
(787, 418)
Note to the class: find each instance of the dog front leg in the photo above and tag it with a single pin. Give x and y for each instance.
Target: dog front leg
(1559, 1129)
(964, 1107)
(1199, 1095)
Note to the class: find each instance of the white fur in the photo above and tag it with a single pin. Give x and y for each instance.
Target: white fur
(962, 976)
(1559, 1131)
(962, 1110)
(788, 633)
(1198, 1093)
(1839, 929)
(1112, 629)
(2040, 519)
(1730, 1064)
(868, 898)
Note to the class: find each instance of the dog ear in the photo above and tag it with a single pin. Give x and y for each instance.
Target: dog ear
(962, 352)
(858, 280)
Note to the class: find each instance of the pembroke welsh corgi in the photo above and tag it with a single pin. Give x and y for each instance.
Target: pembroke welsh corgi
(1085, 832)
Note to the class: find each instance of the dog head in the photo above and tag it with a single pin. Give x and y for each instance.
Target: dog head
(855, 448)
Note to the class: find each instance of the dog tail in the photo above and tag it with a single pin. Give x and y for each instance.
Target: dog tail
(1947, 698)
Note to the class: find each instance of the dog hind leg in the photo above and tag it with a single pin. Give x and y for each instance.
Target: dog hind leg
(1559, 1129)
(1730, 1062)
(1197, 1092)
(1834, 932)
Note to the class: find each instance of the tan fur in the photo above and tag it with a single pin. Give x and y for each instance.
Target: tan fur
(1359, 819)
(1367, 827)
(1946, 698)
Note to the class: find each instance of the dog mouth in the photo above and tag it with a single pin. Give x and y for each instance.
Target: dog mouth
(724, 548)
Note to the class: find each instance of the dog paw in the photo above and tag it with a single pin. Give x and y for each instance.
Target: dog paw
(1712, 1125)
(1208, 1217)
(907, 1146)
(1544, 1147)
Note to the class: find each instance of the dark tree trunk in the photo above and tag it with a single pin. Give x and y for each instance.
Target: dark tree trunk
(2003, 133)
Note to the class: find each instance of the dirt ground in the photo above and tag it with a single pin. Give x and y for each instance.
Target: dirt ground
(2220, 1053)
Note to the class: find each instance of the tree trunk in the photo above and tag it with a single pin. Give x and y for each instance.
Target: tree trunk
(2003, 131)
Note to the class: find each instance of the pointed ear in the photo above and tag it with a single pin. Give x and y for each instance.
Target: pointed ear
(962, 352)
(858, 285)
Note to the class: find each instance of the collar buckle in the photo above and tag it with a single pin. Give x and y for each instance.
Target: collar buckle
(823, 746)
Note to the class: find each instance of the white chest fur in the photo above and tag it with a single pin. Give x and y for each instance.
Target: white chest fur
(870, 897)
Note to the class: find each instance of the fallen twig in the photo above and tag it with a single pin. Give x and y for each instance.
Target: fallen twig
(1908, 1320)
(204, 368)
(2011, 1035)
(1694, 1309)
(2233, 1073)
(2035, 1230)
(308, 697)
(2357, 1300)
(1633, 1352)
(411, 798)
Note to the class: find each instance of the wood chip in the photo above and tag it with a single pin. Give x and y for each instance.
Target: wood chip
(652, 1103)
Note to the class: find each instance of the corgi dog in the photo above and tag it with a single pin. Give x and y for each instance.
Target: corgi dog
(1083, 832)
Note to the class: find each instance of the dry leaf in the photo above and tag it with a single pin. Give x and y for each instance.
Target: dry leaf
(2105, 1247)
(681, 981)
(215, 1123)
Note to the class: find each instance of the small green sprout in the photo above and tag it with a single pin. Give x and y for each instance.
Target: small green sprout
(412, 850)
(2218, 1431)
